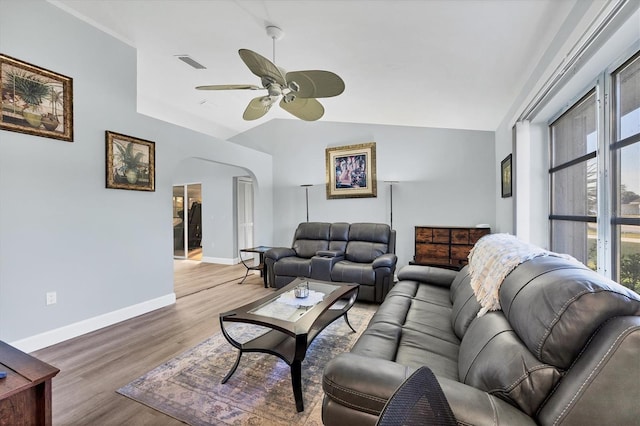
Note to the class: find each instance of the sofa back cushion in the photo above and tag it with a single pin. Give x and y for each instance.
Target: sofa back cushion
(367, 241)
(311, 237)
(465, 305)
(456, 284)
(338, 236)
(492, 358)
(555, 306)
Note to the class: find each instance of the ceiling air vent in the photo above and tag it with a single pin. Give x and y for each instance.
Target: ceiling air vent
(189, 61)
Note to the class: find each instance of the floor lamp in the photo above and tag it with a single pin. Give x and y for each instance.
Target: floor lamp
(306, 190)
(391, 183)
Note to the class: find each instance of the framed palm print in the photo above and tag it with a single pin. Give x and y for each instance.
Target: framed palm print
(35, 100)
(130, 162)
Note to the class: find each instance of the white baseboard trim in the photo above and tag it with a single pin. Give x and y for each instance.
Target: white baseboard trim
(220, 260)
(70, 331)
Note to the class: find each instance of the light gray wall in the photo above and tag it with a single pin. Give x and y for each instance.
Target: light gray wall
(446, 177)
(103, 251)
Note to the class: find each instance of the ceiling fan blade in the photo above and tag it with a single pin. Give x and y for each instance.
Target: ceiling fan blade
(307, 109)
(261, 66)
(229, 87)
(258, 107)
(316, 83)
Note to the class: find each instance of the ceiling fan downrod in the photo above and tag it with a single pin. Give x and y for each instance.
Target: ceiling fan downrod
(276, 34)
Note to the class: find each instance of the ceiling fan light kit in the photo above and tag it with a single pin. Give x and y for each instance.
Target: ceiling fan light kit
(298, 89)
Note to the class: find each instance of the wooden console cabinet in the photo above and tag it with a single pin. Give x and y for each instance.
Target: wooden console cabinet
(445, 246)
(25, 394)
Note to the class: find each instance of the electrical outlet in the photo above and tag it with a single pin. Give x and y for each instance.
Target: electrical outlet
(52, 298)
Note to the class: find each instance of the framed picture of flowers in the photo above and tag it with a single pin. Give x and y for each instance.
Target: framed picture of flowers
(35, 100)
(130, 162)
(351, 171)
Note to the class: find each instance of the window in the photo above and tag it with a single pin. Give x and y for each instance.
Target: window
(625, 156)
(573, 181)
(595, 177)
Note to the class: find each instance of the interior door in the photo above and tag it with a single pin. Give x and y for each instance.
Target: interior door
(244, 191)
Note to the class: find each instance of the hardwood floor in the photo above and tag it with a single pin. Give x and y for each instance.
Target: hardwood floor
(191, 277)
(93, 366)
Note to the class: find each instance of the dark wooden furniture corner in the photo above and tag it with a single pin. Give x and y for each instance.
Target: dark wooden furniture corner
(25, 394)
(446, 247)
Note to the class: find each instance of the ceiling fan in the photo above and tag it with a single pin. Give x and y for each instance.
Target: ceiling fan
(297, 90)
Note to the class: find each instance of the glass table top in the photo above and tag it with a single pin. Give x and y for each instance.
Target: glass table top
(288, 307)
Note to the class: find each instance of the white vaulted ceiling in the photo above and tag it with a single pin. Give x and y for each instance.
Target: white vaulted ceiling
(432, 63)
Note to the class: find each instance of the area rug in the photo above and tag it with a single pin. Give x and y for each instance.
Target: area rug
(188, 386)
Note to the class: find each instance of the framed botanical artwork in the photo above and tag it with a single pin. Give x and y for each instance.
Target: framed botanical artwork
(505, 179)
(130, 162)
(351, 171)
(35, 100)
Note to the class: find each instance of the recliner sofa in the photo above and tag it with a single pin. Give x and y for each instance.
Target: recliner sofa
(359, 252)
(563, 350)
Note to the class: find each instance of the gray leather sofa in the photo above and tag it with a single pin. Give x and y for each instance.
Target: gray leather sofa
(360, 252)
(563, 350)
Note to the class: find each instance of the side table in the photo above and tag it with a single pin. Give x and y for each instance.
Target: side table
(25, 394)
(261, 250)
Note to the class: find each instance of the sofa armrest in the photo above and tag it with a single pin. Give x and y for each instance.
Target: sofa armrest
(474, 406)
(365, 385)
(277, 253)
(321, 266)
(330, 253)
(387, 260)
(427, 274)
(362, 383)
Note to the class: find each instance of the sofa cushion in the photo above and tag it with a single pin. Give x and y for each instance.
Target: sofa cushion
(431, 319)
(374, 232)
(311, 237)
(428, 275)
(293, 267)
(412, 327)
(461, 275)
(603, 382)
(379, 341)
(413, 289)
(338, 236)
(555, 306)
(364, 251)
(347, 271)
(312, 231)
(418, 348)
(308, 248)
(367, 241)
(417, 300)
(465, 306)
(493, 359)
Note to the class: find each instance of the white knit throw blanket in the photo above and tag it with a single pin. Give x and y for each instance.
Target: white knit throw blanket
(492, 258)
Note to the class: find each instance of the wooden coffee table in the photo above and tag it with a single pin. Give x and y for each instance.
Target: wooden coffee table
(293, 322)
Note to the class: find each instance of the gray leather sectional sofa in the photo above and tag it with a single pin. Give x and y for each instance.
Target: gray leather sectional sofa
(563, 350)
(359, 252)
